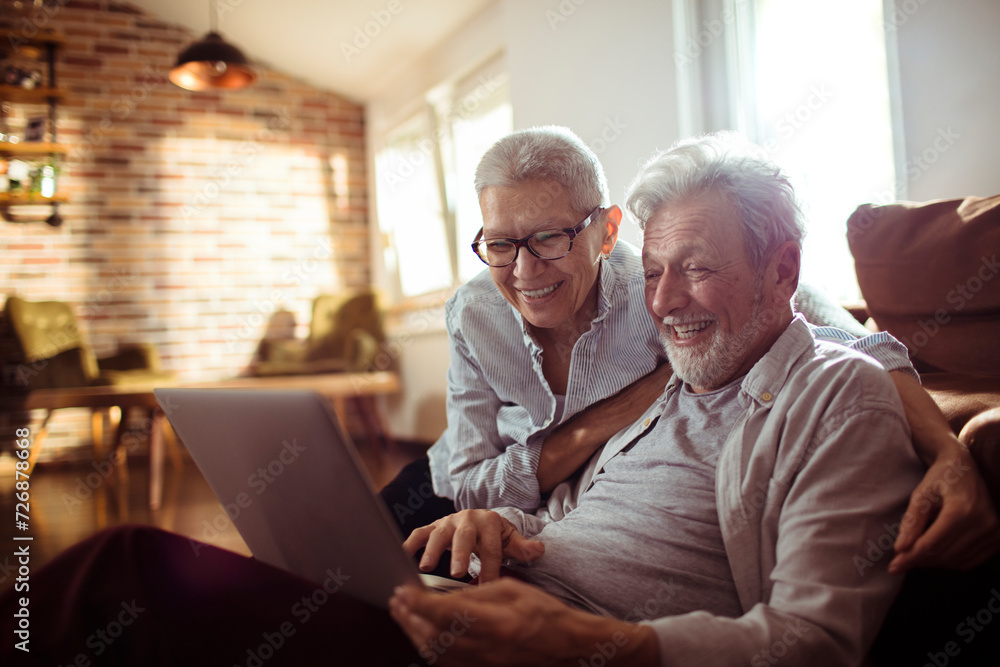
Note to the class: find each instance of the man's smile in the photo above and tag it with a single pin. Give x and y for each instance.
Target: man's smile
(688, 330)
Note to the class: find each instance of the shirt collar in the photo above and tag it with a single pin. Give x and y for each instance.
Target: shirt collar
(606, 285)
(766, 379)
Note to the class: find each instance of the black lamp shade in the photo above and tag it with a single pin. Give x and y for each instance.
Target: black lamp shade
(212, 63)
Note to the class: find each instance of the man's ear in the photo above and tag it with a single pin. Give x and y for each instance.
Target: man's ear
(784, 271)
(613, 222)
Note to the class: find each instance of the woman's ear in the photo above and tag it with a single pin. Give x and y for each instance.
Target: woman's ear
(612, 221)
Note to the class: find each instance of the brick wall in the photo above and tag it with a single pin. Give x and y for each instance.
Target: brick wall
(192, 216)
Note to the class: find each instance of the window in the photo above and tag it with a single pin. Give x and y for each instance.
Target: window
(427, 206)
(809, 82)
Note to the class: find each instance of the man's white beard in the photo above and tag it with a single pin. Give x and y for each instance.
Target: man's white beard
(714, 365)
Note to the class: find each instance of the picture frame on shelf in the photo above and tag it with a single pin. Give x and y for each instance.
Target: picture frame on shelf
(35, 129)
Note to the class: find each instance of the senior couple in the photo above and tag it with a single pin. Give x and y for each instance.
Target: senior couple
(705, 512)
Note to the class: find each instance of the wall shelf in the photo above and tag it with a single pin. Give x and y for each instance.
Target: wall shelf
(29, 199)
(33, 148)
(39, 95)
(41, 155)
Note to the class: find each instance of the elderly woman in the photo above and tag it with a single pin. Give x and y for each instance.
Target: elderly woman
(552, 352)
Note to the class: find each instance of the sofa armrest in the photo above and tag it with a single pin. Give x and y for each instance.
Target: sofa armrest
(982, 436)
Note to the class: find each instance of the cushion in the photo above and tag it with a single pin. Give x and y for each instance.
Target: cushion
(928, 272)
(819, 309)
(982, 436)
(962, 397)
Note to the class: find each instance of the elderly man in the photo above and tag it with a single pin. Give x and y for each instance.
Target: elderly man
(728, 518)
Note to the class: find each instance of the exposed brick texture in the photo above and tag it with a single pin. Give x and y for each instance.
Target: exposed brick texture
(192, 216)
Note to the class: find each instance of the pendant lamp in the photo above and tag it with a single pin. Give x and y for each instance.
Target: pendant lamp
(211, 63)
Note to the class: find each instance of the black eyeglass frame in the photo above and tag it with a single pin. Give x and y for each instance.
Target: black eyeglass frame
(572, 232)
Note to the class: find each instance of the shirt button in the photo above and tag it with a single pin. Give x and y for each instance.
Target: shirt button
(766, 396)
(645, 423)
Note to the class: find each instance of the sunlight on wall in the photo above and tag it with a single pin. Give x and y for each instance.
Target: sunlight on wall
(823, 114)
(250, 237)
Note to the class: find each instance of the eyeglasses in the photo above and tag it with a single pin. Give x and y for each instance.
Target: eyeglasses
(546, 244)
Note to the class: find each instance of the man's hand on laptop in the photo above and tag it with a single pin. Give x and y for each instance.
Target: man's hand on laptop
(510, 622)
(482, 532)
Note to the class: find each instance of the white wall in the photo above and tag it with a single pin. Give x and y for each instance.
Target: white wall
(949, 66)
(604, 68)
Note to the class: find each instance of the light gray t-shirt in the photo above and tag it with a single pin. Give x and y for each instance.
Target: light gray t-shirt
(645, 538)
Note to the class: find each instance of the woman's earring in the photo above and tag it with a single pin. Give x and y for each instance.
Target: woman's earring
(606, 255)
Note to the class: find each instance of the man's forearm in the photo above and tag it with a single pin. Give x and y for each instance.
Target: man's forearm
(609, 641)
(932, 436)
(571, 444)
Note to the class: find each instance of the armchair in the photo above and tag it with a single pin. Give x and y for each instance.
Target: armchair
(345, 335)
(55, 355)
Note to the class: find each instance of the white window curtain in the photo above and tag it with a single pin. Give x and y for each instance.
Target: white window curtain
(809, 82)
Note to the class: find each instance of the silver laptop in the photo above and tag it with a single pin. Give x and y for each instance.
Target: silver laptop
(295, 487)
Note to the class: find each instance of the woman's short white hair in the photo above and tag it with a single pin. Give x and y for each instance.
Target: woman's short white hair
(722, 162)
(550, 153)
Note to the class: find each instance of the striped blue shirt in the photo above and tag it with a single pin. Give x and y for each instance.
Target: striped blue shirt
(500, 407)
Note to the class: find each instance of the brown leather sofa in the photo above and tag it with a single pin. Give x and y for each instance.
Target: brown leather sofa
(929, 276)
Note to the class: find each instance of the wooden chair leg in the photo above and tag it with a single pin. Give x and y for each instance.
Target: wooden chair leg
(173, 445)
(97, 432)
(38, 441)
(156, 459)
(119, 453)
(378, 433)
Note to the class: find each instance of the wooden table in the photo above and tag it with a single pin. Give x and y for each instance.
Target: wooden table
(336, 387)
